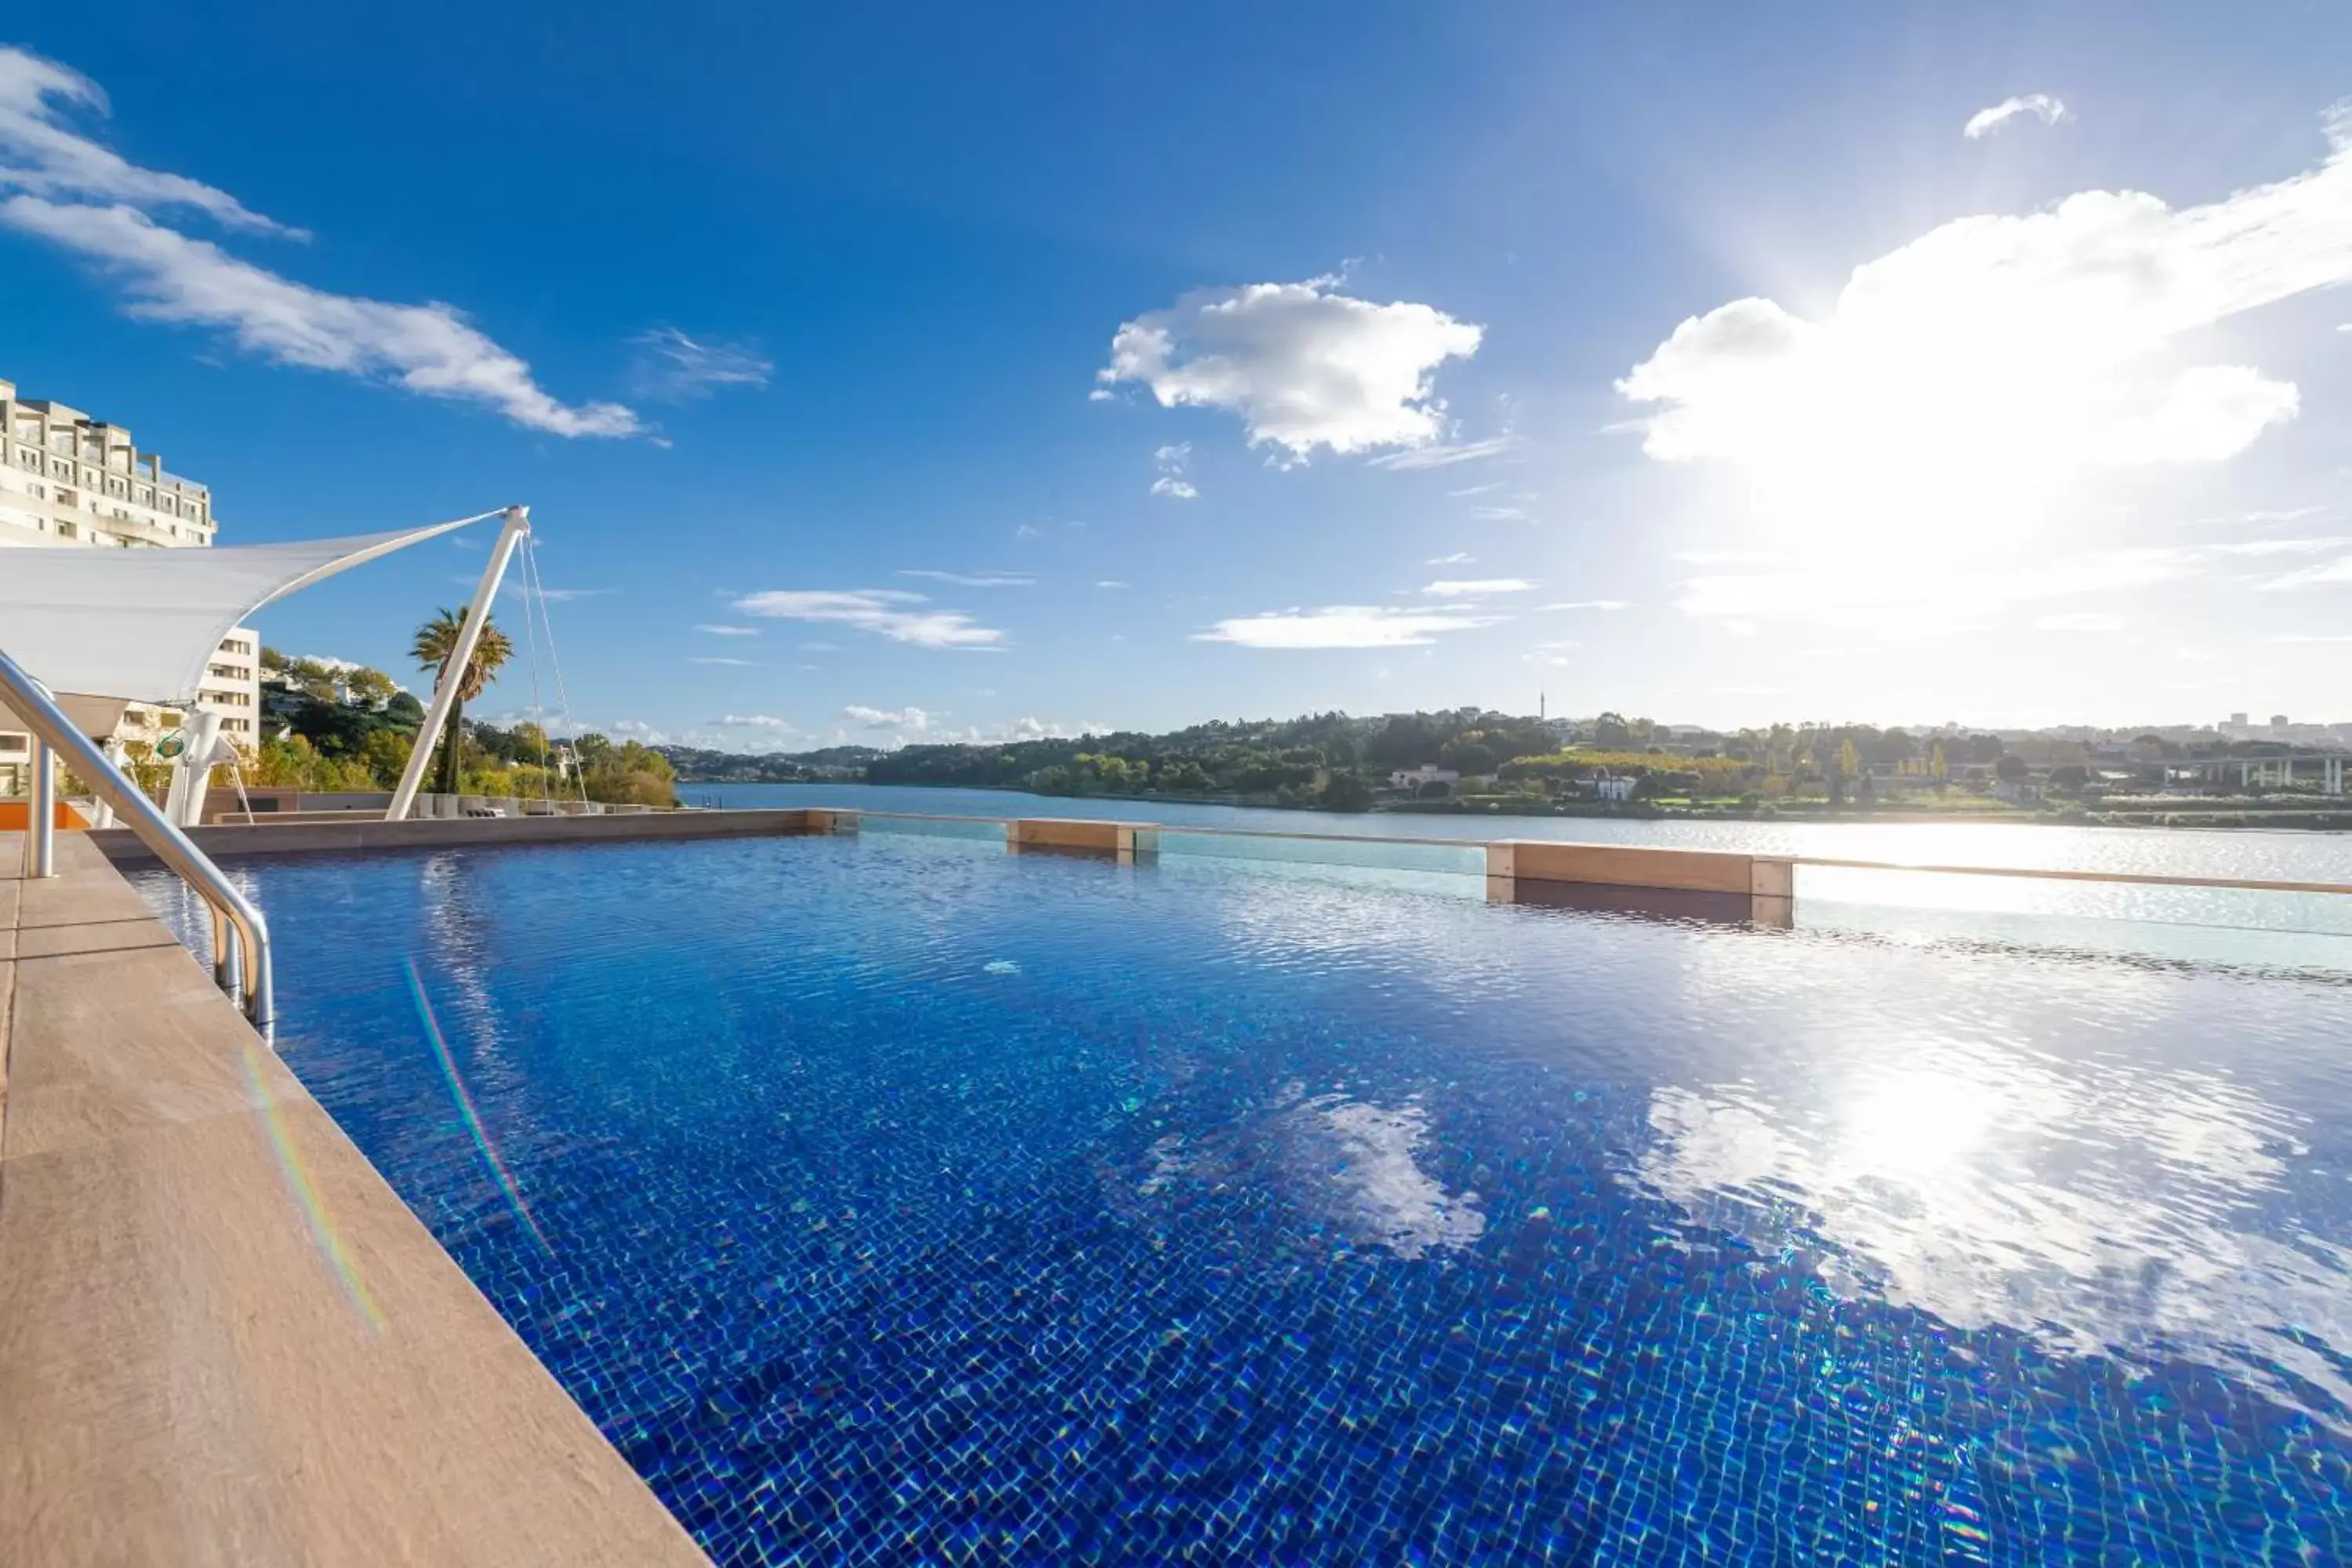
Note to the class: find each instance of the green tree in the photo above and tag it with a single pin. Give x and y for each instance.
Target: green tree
(1345, 792)
(385, 755)
(371, 686)
(435, 644)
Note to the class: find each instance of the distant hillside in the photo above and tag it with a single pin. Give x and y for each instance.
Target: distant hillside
(696, 766)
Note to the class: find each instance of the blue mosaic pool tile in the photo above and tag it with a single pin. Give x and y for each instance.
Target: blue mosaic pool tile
(910, 1205)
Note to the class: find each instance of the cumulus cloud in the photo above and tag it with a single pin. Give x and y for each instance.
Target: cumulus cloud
(914, 720)
(63, 187)
(750, 720)
(1346, 625)
(1303, 365)
(672, 367)
(726, 631)
(1985, 122)
(974, 579)
(889, 612)
(1171, 461)
(1474, 587)
(1994, 365)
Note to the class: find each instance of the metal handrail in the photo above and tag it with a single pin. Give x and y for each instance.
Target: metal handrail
(232, 911)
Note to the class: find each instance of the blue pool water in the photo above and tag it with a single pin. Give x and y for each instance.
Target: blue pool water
(897, 1200)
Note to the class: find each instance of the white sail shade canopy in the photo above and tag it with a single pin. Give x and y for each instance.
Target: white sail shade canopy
(141, 625)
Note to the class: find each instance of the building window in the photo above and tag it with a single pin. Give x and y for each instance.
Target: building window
(67, 529)
(12, 742)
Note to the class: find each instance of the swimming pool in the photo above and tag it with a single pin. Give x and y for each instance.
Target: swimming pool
(898, 1200)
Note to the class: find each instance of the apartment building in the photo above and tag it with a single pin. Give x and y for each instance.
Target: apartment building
(71, 482)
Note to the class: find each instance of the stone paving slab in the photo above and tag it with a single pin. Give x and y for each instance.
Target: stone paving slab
(223, 1337)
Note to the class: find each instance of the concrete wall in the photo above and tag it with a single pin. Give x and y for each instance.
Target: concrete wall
(364, 834)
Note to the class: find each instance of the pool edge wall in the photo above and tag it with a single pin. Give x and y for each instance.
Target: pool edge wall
(222, 1337)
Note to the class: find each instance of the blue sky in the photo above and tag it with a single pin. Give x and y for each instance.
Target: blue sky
(986, 373)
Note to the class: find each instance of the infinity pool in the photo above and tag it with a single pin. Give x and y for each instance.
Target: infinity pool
(892, 1200)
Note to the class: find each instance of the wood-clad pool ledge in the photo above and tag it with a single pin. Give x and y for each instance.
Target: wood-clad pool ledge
(222, 1338)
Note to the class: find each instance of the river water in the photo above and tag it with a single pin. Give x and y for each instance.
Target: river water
(2255, 855)
(2298, 931)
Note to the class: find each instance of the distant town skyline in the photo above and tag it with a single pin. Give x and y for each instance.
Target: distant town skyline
(1076, 370)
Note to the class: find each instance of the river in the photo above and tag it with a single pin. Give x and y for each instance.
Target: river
(2256, 855)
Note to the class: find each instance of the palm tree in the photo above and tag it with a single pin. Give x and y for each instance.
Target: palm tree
(437, 641)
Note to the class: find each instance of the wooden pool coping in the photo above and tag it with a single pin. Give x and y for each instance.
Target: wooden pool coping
(223, 1337)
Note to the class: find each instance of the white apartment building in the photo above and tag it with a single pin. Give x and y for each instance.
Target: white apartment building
(70, 482)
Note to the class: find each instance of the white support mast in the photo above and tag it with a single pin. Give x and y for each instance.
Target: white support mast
(453, 673)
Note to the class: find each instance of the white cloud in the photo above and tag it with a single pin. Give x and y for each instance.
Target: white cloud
(1985, 122)
(1892, 600)
(1345, 626)
(64, 188)
(1471, 587)
(1110, 583)
(2081, 621)
(1171, 461)
(911, 720)
(426, 349)
(1588, 604)
(750, 720)
(634, 730)
(725, 631)
(2337, 571)
(41, 154)
(672, 367)
(975, 580)
(1303, 365)
(1447, 456)
(715, 659)
(1993, 366)
(2283, 546)
(886, 612)
(1487, 489)
(1028, 531)
(1500, 514)
(1459, 558)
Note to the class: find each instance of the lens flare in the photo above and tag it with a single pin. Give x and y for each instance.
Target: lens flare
(306, 1192)
(497, 1169)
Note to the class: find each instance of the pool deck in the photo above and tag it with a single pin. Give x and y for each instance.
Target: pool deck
(189, 1374)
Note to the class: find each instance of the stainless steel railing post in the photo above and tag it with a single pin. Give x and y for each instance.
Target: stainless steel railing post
(41, 814)
(51, 729)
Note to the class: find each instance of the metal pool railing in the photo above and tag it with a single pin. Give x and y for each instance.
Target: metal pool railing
(232, 912)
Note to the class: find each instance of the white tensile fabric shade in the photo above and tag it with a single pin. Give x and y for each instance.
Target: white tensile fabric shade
(143, 625)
